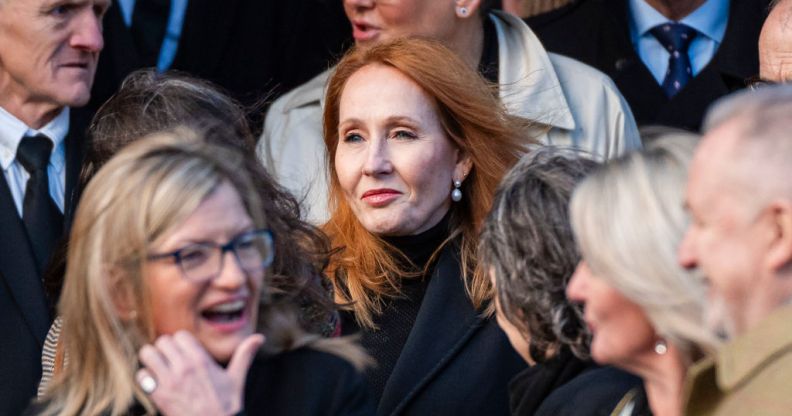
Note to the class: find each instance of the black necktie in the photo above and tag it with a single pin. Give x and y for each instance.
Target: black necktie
(149, 23)
(675, 37)
(43, 220)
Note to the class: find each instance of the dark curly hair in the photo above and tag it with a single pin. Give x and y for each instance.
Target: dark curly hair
(527, 242)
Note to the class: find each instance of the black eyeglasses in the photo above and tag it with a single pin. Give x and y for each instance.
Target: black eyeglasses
(201, 262)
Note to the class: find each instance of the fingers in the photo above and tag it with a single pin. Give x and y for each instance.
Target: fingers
(243, 357)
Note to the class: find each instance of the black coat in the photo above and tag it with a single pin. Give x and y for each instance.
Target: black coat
(249, 47)
(597, 32)
(568, 386)
(454, 362)
(24, 310)
(304, 382)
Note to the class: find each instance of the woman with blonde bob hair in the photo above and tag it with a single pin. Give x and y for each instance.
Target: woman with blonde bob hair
(417, 143)
(149, 282)
(645, 312)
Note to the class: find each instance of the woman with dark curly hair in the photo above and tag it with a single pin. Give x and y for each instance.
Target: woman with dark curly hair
(528, 248)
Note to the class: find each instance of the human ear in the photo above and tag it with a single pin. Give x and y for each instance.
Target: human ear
(466, 8)
(463, 166)
(779, 247)
(122, 296)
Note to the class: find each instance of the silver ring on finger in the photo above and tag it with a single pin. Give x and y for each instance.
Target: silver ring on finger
(148, 384)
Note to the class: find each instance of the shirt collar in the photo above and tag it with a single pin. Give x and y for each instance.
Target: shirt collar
(709, 19)
(12, 130)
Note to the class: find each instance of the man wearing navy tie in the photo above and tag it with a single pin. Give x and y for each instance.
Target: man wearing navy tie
(669, 58)
(48, 56)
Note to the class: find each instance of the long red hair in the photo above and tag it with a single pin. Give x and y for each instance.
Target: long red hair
(363, 271)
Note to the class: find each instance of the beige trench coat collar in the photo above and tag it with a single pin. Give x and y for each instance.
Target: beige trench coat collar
(529, 86)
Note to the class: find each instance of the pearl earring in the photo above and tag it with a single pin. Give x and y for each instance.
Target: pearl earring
(462, 11)
(660, 348)
(456, 194)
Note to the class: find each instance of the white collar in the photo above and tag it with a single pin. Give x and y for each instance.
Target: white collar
(709, 19)
(12, 130)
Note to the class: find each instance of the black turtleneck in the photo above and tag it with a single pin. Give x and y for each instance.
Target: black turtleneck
(398, 317)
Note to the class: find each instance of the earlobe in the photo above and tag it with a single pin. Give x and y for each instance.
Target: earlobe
(466, 8)
(779, 253)
(463, 167)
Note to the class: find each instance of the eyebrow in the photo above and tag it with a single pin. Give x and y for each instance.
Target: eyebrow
(390, 121)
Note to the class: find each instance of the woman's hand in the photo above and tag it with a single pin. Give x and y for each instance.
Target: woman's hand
(183, 379)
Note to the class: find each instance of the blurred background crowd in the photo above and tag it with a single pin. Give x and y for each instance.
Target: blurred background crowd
(395, 207)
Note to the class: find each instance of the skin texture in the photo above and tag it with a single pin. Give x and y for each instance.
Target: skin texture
(621, 332)
(675, 9)
(391, 139)
(775, 44)
(177, 303)
(740, 244)
(518, 341)
(378, 20)
(48, 55)
(189, 381)
(623, 336)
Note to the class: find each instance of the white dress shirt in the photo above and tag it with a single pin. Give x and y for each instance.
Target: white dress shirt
(12, 130)
(709, 20)
(172, 33)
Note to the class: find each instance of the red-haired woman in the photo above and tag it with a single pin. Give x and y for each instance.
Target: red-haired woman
(417, 144)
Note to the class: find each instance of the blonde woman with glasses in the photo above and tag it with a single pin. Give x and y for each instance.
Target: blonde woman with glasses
(165, 286)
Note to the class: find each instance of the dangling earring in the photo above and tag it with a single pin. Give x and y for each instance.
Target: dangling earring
(456, 194)
(661, 348)
(462, 11)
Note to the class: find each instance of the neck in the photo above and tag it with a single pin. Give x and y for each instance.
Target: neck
(664, 377)
(470, 33)
(34, 115)
(675, 9)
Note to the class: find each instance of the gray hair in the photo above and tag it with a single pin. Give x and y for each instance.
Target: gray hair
(628, 218)
(762, 121)
(527, 242)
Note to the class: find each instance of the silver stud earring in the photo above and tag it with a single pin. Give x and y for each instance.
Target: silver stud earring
(660, 348)
(462, 11)
(456, 194)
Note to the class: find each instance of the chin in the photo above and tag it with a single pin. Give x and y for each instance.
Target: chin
(223, 349)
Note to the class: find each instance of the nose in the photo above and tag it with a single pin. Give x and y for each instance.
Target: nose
(360, 4)
(576, 288)
(231, 276)
(686, 254)
(87, 35)
(377, 159)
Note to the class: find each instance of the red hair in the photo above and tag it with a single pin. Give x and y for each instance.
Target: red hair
(362, 270)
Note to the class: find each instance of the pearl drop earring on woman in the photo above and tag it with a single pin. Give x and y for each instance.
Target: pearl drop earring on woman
(660, 347)
(462, 11)
(456, 194)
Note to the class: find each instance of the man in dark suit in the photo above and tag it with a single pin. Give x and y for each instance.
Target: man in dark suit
(252, 48)
(669, 58)
(48, 56)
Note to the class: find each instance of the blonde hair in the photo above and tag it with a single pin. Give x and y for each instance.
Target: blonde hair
(628, 219)
(363, 271)
(132, 203)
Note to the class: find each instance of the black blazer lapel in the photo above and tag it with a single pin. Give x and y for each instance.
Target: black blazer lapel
(18, 268)
(75, 149)
(445, 322)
